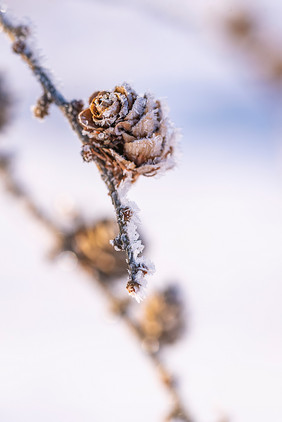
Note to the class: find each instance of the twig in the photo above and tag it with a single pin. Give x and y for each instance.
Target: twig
(120, 308)
(18, 35)
(248, 33)
(14, 188)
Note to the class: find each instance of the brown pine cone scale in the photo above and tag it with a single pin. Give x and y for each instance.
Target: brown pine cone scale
(133, 132)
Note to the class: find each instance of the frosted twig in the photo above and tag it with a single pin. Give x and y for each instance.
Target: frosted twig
(18, 35)
(120, 308)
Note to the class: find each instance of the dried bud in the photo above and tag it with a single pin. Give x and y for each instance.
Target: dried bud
(92, 247)
(77, 106)
(241, 25)
(19, 46)
(127, 213)
(132, 131)
(178, 415)
(87, 153)
(22, 31)
(164, 317)
(41, 109)
(247, 30)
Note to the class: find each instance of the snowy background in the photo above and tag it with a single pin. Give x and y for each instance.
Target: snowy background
(214, 224)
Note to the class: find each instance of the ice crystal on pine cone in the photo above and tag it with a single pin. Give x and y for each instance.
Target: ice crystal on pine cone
(132, 132)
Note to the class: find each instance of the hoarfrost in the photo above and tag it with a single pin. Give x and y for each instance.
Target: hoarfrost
(140, 293)
(138, 290)
(113, 243)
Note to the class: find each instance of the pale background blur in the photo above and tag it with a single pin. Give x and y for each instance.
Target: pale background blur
(214, 224)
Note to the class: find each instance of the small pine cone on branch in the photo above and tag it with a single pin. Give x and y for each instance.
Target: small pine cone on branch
(132, 132)
(41, 109)
(92, 246)
(164, 319)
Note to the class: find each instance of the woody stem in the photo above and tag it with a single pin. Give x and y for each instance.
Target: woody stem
(21, 47)
(133, 266)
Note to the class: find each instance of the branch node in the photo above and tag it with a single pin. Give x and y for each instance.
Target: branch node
(118, 243)
(19, 46)
(126, 214)
(41, 108)
(87, 153)
(22, 31)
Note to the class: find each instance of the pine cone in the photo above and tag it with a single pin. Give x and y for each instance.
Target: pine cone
(164, 318)
(132, 132)
(92, 246)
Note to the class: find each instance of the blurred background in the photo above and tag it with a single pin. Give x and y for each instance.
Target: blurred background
(213, 226)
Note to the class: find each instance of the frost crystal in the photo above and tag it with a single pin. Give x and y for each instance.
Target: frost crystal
(140, 292)
(136, 288)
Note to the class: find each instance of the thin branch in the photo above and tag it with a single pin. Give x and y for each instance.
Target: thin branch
(120, 308)
(15, 189)
(18, 35)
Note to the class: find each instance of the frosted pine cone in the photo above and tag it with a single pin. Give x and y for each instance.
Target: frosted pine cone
(132, 132)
